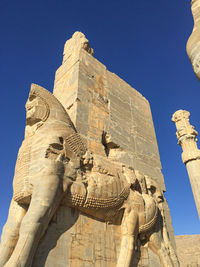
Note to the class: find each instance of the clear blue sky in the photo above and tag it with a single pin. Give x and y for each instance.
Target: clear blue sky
(141, 41)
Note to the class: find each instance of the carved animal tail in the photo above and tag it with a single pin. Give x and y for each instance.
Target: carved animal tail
(146, 227)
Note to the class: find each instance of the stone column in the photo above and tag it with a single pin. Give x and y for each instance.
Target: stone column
(186, 135)
(193, 44)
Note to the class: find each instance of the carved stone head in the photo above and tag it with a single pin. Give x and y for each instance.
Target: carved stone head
(42, 106)
(36, 110)
(142, 181)
(154, 189)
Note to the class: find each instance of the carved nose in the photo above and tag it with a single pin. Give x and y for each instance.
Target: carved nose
(28, 107)
(160, 198)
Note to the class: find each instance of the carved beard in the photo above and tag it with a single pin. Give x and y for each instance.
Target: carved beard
(30, 121)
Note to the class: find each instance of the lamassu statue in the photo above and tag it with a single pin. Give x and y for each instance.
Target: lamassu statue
(54, 168)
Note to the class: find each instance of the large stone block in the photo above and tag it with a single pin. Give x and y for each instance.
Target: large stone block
(114, 119)
(88, 193)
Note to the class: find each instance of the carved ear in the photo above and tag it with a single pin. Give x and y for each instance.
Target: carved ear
(130, 175)
(152, 189)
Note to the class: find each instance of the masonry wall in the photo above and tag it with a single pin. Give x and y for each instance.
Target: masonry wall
(115, 121)
(108, 111)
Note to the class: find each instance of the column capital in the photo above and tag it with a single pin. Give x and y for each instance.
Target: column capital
(186, 135)
(184, 129)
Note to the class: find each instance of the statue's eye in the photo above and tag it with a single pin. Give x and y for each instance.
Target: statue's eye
(31, 97)
(61, 140)
(153, 190)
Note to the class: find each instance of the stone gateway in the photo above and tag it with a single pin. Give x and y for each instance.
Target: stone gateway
(88, 187)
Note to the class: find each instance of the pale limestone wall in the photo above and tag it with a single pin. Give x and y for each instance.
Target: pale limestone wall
(102, 102)
(74, 240)
(188, 249)
(115, 121)
(193, 44)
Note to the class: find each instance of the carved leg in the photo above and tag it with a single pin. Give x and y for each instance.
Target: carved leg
(46, 197)
(172, 252)
(129, 235)
(11, 231)
(173, 257)
(158, 247)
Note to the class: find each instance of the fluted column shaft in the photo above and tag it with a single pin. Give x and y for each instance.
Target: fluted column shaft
(186, 136)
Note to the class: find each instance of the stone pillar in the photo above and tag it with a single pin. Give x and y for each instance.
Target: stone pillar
(193, 44)
(186, 135)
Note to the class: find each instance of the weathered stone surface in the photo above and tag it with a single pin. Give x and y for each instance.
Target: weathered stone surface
(117, 118)
(193, 44)
(186, 135)
(85, 198)
(111, 108)
(188, 249)
(115, 108)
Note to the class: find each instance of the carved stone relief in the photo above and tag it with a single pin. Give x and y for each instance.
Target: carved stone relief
(54, 168)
